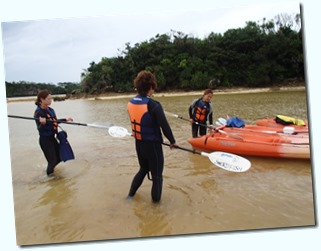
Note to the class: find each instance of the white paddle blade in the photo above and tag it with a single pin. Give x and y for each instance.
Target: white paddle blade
(118, 132)
(222, 121)
(228, 161)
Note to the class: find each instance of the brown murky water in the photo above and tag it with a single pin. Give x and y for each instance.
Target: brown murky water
(89, 201)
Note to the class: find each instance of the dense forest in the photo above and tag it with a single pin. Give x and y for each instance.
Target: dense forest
(23, 88)
(261, 54)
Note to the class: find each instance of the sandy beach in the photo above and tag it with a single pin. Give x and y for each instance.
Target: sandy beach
(111, 95)
(193, 93)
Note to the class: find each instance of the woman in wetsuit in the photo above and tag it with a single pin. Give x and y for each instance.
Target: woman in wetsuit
(200, 111)
(47, 124)
(148, 122)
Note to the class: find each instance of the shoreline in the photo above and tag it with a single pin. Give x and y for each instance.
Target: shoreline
(110, 96)
(193, 93)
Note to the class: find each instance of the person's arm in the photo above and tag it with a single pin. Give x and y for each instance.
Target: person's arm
(40, 118)
(190, 112)
(53, 114)
(64, 120)
(210, 114)
(191, 108)
(163, 123)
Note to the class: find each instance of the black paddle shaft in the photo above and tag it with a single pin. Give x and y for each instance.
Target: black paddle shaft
(30, 118)
(182, 148)
(195, 122)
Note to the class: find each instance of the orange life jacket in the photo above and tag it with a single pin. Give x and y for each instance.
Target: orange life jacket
(143, 126)
(200, 111)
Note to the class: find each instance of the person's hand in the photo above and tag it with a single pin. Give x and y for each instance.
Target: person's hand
(171, 146)
(211, 129)
(42, 120)
(69, 120)
(191, 121)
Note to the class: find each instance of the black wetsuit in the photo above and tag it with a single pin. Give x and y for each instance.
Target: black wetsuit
(150, 153)
(47, 140)
(205, 106)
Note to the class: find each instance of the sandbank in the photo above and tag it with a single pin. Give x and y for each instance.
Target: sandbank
(109, 96)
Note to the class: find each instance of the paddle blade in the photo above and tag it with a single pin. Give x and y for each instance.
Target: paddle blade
(228, 161)
(118, 132)
(222, 121)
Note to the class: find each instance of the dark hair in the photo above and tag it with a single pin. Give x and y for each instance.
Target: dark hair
(41, 95)
(208, 91)
(144, 81)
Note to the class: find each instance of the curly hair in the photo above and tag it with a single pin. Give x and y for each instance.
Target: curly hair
(144, 81)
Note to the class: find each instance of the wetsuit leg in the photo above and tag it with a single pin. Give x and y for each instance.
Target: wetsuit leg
(143, 170)
(153, 153)
(194, 130)
(50, 148)
(202, 130)
(156, 165)
(151, 158)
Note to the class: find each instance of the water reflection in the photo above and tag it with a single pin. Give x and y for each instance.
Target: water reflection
(56, 204)
(153, 218)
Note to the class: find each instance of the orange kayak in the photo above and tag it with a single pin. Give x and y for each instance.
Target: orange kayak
(270, 122)
(252, 145)
(262, 131)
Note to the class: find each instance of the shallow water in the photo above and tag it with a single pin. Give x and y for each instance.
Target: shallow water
(88, 201)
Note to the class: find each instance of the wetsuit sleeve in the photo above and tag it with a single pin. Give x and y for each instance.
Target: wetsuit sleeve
(191, 108)
(190, 112)
(163, 123)
(210, 115)
(37, 115)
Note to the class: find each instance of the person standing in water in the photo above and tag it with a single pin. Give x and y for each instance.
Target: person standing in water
(47, 125)
(148, 121)
(200, 111)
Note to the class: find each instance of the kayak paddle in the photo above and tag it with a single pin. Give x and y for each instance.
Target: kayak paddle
(65, 122)
(210, 127)
(227, 161)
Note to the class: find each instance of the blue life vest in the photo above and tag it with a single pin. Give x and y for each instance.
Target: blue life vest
(143, 126)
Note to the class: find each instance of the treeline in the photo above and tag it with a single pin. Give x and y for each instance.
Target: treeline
(23, 88)
(260, 54)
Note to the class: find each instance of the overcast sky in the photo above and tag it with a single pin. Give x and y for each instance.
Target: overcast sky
(57, 50)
